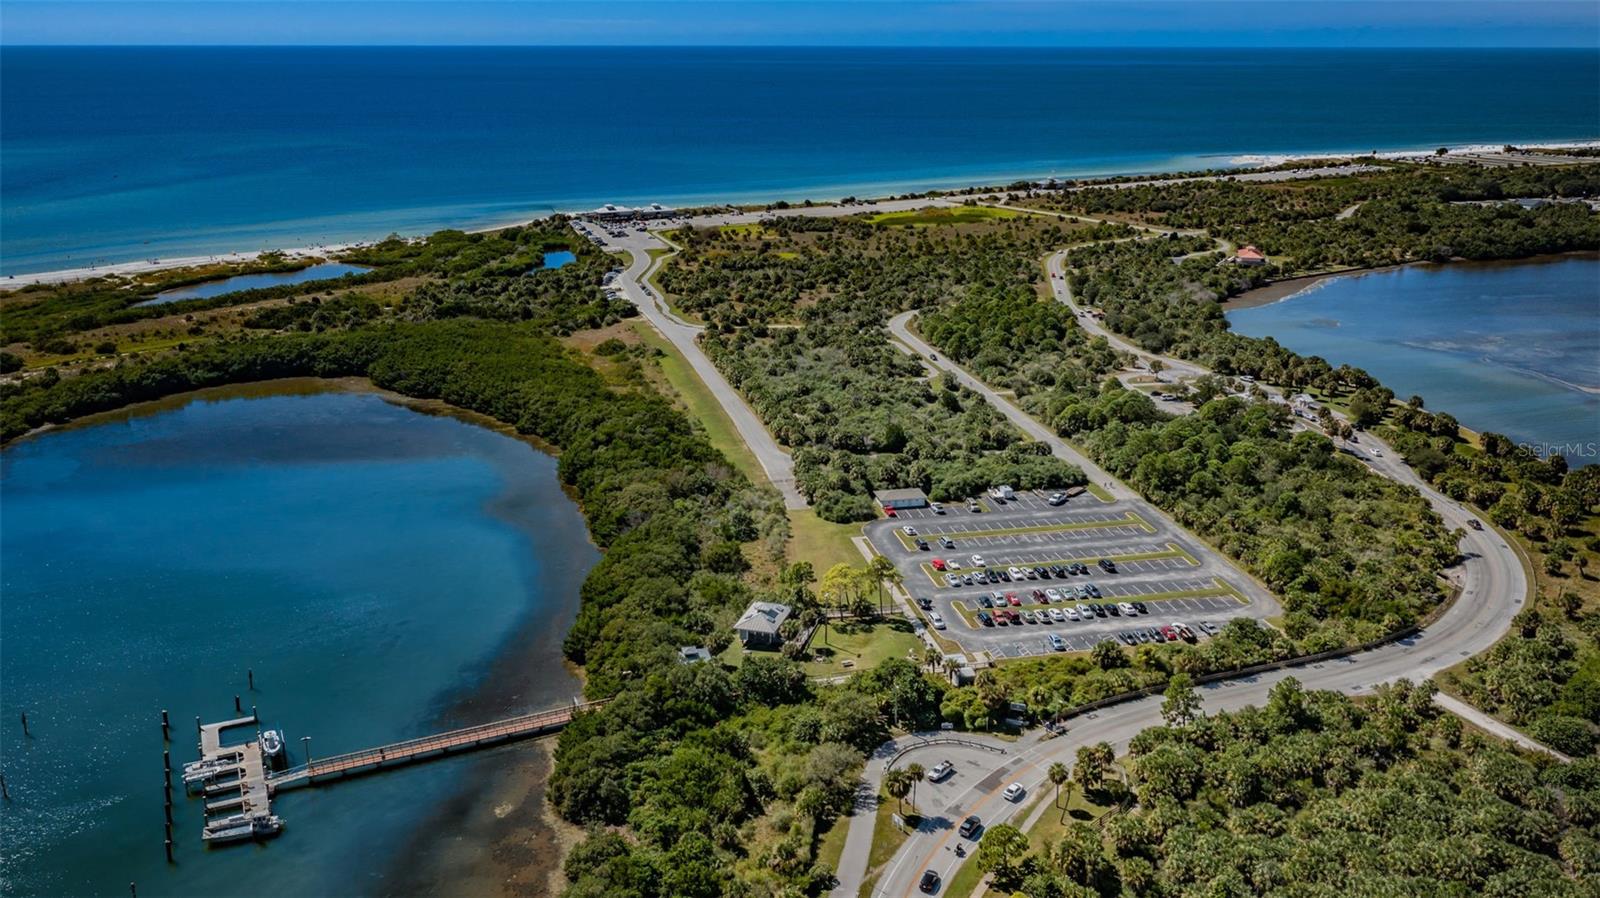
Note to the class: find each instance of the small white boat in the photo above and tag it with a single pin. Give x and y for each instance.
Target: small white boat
(235, 829)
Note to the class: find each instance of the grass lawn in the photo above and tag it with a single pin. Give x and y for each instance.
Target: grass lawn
(1049, 828)
(830, 844)
(1099, 492)
(886, 840)
(820, 542)
(701, 405)
(941, 216)
(864, 644)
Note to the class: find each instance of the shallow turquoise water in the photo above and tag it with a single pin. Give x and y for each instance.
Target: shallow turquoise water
(368, 561)
(319, 272)
(1510, 348)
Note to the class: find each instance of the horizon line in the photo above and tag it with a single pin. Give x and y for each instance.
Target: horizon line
(779, 46)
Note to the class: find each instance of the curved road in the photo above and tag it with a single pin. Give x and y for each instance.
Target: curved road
(1493, 586)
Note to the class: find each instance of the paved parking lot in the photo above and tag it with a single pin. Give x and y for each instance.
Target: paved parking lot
(1156, 563)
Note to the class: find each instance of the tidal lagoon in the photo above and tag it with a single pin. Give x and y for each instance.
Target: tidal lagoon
(1507, 347)
(385, 572)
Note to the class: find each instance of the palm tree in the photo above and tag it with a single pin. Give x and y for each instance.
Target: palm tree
(931, 658)
(880, 569)
(951, 665)
(898, 784)
(1059, 774)
(915, 772)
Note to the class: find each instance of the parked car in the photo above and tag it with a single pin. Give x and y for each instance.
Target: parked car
(985, 601)
(889, 512)
(977, 561)
(974, 507)
(952, 581)
(922, 544)
(1113, 610)
(938, 563)
(1057, 499)
(1108, 565)
(970, 826)
(1011, 598)
(1126, 608)
(947, 542)
(940, 771)
(1056, 642)
(1208, 628)
(937, 619)
(925, 603)
(908, 530)
(952, 564)
(1141, 607)
(1014, 792)
(1071, 614)
(1043, 574)
(1184, 631)
(1099, 610)
(986, 618)
(1015, 572)
(1169, 634)
(936, 507)
(1052, 594)
(1085, 612)
(1057, 615)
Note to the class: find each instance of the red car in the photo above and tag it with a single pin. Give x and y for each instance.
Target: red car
(938, 564)
(1011, 598)
(1038, 595)
(1170, 633)
(890, 512)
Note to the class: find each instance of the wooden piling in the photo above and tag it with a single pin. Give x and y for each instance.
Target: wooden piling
(250, 676)
(237, 708)
(25, 724)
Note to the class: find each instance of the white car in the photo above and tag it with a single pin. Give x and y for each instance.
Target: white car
(1014, 792)
(1053, 594)
(1127, 610)
(1015, 572)
(951, 580)
(953, 565)
(1056, 614)
(977, 561)
(937, 508)
(1072, 614)
(1085, 613)
(909, 530)
(937, 618)
(940, 771)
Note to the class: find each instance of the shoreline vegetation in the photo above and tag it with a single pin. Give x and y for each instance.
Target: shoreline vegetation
(700, 778)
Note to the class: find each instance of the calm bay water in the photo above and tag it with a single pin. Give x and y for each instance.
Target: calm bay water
(113, 154)
(1510, 348)
(369, 562)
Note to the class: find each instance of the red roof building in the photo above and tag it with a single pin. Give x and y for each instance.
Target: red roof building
(1250, 256)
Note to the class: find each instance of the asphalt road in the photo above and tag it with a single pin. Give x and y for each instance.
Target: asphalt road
(685, 338)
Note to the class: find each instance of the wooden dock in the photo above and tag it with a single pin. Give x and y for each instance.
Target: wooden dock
(426, 748)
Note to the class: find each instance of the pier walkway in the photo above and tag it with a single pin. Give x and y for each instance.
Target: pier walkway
(427, 747)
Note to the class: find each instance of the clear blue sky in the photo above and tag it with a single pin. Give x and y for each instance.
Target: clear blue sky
(1278, 23)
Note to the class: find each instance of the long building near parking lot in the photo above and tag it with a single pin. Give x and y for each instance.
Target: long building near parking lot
(901, 498)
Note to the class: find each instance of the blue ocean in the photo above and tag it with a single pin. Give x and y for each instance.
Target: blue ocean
(115, 154)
